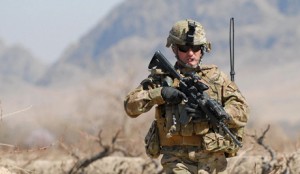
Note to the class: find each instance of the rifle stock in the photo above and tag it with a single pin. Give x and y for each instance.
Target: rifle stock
(159, 61)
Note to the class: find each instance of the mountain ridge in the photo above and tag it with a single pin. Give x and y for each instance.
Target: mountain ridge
(129, 30)
(131, 19)
(18, 63)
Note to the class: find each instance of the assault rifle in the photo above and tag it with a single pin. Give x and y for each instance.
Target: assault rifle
(194, 89)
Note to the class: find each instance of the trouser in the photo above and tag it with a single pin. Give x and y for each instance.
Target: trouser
(187, 161)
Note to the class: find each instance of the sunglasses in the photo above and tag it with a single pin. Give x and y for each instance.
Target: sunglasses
(185, 48)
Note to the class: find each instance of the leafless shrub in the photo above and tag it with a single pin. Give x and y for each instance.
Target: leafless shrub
(106, 151)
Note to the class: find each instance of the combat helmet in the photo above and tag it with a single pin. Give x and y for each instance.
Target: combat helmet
(188, 32)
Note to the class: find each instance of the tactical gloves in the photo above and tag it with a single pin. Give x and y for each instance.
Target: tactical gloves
(194, 111)
(172, 95)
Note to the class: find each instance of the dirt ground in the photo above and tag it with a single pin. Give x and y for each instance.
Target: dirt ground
(48, 162)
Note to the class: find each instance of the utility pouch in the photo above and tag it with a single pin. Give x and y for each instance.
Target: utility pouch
(187, 130)
(152, 143)
(214, 142)
(232, 148)
(201, 128)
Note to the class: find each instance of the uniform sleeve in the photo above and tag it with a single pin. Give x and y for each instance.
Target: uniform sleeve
(141, 100)
(235, 105)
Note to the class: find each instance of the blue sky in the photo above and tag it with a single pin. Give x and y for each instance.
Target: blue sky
(47, 27)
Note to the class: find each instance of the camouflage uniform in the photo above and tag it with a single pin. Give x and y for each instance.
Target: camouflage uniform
(196, 147)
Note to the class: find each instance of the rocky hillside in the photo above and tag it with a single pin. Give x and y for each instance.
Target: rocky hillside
(265, 32)
(266, 47)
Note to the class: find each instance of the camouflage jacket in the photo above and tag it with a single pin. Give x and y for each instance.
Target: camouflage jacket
(148, 94)
(141, 100)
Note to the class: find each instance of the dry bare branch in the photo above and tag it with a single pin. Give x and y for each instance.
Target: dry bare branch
(7, 145)
(107, 150)
(72, 153)
(267, 165)
(156, 166)
(14, 113)
(240, 156)
(22, 170)
(260, 141)
(81, 164)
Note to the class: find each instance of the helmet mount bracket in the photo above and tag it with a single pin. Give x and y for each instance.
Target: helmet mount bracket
(190, 34)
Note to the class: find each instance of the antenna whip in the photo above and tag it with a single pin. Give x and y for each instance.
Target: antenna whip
(231, 48)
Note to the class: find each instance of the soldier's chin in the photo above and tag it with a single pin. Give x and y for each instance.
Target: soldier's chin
(193, 64)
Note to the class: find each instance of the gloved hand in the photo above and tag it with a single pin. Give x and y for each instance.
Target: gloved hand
(193, 110)
(172, 95)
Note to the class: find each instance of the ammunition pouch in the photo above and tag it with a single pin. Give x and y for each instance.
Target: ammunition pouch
(152, 143)
(173, 133)
(215, 142)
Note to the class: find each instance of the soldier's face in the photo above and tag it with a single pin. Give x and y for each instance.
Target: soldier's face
(190, 55)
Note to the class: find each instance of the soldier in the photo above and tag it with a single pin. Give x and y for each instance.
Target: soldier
(195, 146)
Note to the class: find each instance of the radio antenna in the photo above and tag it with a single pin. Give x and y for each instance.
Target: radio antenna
(231, 48)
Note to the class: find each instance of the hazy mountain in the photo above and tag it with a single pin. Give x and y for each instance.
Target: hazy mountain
(266, 47)
(19, 65)
(138, 28)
